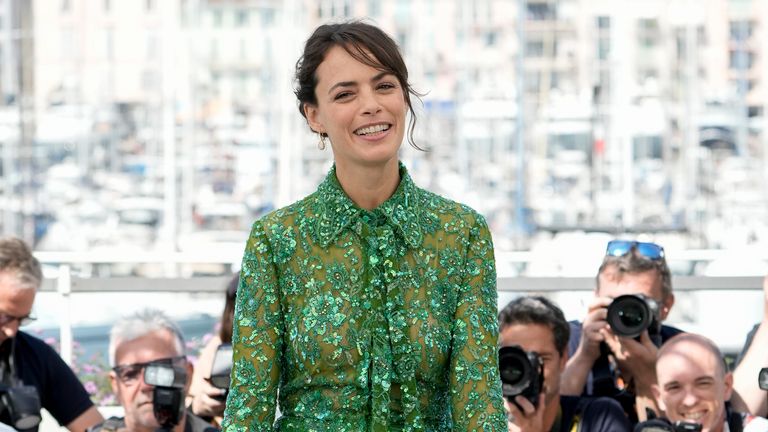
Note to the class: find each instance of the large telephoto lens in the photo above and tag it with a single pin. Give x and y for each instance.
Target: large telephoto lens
(629, 315)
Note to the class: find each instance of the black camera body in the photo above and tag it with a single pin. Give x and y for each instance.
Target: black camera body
(631, 314)
(22, 403)
(664, 425)
(222, 369)
(168, 395)
(522, 373)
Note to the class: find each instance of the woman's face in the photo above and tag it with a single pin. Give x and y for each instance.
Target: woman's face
(362, 109)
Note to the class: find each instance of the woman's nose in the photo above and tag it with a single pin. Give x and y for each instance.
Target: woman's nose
(370, 102)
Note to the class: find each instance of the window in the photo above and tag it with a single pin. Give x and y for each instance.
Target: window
(741, 30)
(107, 5)
(648, 33)
(603, 48)
(534, 48)
(647, 147)
(149, 5)
(374, 8)
(267, 17)
(490, 38)
(603, 22)
(66, 6)
(541, 11)
(241, 18)
(740, 59)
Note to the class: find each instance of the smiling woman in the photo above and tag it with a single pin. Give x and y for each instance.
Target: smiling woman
(370, 304)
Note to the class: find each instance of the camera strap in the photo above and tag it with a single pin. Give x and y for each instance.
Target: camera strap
(603, 379)
(7, 369)
(734, 419)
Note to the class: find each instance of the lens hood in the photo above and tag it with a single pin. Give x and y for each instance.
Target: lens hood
(629, 315)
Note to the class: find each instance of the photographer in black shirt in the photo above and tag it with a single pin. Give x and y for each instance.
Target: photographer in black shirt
(29, 369)
(537, 328)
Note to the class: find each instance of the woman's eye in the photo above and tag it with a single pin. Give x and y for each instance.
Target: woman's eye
(386, 86)
(342, 95)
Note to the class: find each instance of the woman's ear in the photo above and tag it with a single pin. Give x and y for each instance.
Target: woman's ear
(310, 111)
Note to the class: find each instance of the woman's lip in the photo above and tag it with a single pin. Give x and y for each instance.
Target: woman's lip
(375, 136)
(382, 123)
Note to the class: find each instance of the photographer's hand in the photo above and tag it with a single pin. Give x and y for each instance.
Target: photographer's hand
(205, 402)
(574, 377)
(637, 363)
(529, 419)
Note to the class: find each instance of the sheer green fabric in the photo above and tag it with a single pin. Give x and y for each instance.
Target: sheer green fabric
(379, 320)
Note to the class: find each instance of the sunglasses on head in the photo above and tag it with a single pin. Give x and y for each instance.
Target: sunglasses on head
(619, 248)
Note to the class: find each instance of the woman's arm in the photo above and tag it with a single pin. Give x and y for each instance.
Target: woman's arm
(476, 400)
(256, 340)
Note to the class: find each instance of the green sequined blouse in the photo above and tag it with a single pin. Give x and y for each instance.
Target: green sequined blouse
(381, 320)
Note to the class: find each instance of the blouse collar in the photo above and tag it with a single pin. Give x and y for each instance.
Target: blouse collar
(335, 210)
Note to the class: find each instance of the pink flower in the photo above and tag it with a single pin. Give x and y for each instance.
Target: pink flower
(91, 387)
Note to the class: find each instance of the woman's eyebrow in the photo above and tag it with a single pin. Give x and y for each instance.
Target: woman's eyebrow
(375, 78)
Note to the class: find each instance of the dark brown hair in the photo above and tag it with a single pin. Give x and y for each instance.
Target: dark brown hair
(537, 310)
(367, 44)
(228, 316)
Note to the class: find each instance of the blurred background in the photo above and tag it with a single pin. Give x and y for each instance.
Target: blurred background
(140, 140)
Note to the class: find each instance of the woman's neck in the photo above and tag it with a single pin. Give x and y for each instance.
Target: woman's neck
(368, 187)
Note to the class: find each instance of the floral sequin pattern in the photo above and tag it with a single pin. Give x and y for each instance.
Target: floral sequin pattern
(381, 320)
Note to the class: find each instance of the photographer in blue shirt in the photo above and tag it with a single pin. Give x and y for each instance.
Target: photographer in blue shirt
(607, 362)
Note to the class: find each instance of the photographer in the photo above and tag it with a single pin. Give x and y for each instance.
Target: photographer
(539, 328)
(694, 387)
(748, 396)
(605, 364)
(205, 399)
(32, 375)
(143, 342)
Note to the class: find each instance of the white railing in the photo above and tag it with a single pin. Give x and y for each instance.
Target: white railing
(68, 282)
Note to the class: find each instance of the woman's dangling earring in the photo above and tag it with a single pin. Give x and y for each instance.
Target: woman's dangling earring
(321, 141)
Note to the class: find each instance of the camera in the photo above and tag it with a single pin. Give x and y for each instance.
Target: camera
(222, 368)
(762, 379)
(629, 315)
(664, 425)
(168, 395)
(22, 404)
(522, 373)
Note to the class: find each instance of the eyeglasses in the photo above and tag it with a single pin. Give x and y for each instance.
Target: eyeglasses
(619, 248)
(6, 319)
(129, 374)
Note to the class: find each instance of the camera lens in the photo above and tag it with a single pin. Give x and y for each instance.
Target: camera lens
(514, 369)
(512, 372)
(629, 315)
